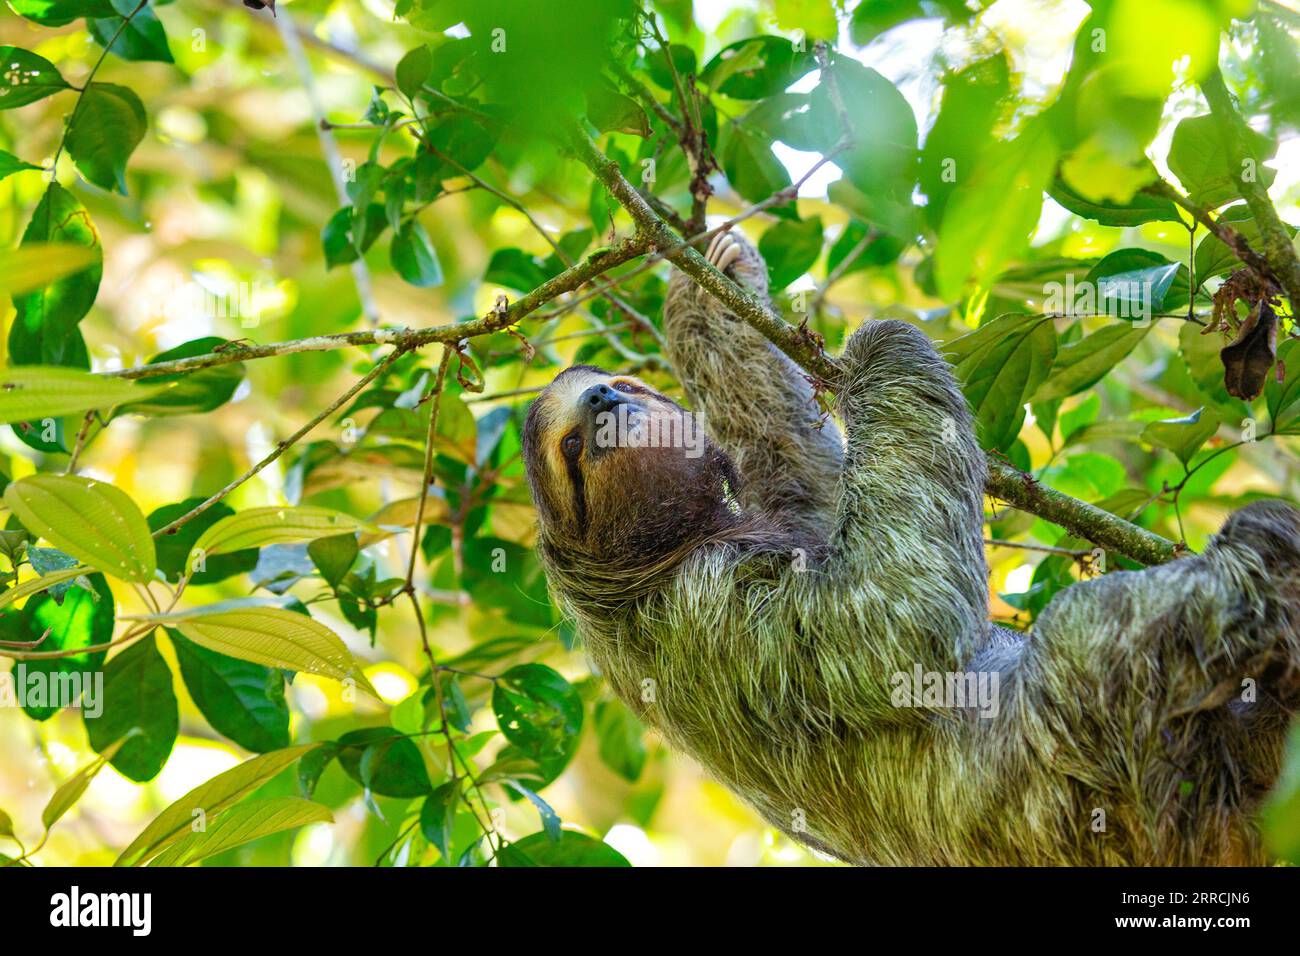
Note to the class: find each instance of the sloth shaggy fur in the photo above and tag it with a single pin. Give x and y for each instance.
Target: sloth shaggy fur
(753, 604)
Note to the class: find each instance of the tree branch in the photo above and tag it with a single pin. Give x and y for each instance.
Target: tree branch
(1004, 482)
(1278, 250)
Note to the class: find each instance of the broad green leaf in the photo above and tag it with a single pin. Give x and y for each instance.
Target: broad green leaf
(32, 392)
(621, 739)
(413, 70)
(257, 527)
(873, 17)
(10, 164)
(93, 521)
(1182, 436)
(1001, 366)
(141, 37)
(334, 556)
(1214, 258)
(106, 129)
(971, 106)
(241, 700)
(337, 240)
(175, 549)
(31, 267)
(26, 77)
(211, 798)
(384, 762)
(515, 269)
(43, 332)
(572, 849)
(1198, 158)
(57, 13)
(756, 67)
(138, 701)
(271, 636)
(749, 163)
(438, 815)
(1282, 398)
(6, 825)
(36, 585)
(243, 824)
(611, 111)
(1201, 354)
(550, 819)
(992, 212)
(538, 711)
(414, 257)
(790, 248)
(1136, 284)
(1082, 364)
(71, 790)
(191, 392)
(1141, 208)
(72, 623)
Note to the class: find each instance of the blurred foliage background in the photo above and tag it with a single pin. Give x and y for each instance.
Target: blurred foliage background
(230, 194)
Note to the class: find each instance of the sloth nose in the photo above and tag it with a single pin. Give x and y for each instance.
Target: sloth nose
(600, 398)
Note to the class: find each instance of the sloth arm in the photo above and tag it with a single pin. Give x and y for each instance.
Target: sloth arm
(755, 402)
(906, 580)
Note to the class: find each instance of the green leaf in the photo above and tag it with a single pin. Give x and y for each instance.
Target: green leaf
(189, 393)
(515, 269)
(42, 583)
(1141, 208)
(971, 106)
(572, 849)
(93, 521)
(749, 163)
(1199, 159)
(1001, 366)
(211, 798)
(10, 164)
(756, 67)
(1283, 398)
(438, 815)
(81, 619)
(621, 739)
(384, 762)
(1082, 364)
(334, 556)
(873, 17)
(35, 392)
(1182, 436)
(257, 527)
(57, 13)
(1137, 283)
(882, 160)
(243, 824)
(790, 248)
(26, 77)
(611, 111)
(241, 700)
(337, 241)
(72, 789)
(6, 825)
(42, 332)
(105, 131)
(140, 36)
(272, 636)
(1280, 816)
(138, 696)
(414, 257)
(538, 711)
(1214, 258)
(550, 819)
(413, 70)
(174, 550)
(992, 212)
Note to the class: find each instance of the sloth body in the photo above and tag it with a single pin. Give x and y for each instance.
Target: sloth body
(768, 602)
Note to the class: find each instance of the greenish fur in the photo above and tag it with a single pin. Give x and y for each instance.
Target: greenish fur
(771, 629)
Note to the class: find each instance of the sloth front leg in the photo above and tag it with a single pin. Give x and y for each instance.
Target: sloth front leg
(756, 403)
(908, 536)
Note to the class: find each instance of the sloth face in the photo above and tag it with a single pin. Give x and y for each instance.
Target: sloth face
(611, 460)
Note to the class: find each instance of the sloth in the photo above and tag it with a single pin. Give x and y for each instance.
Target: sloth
(806, 613)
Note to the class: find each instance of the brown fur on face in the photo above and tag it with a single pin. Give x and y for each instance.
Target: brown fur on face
(614, 500)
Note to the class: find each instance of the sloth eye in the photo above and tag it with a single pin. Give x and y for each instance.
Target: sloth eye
(571, 445)
(625, 387)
